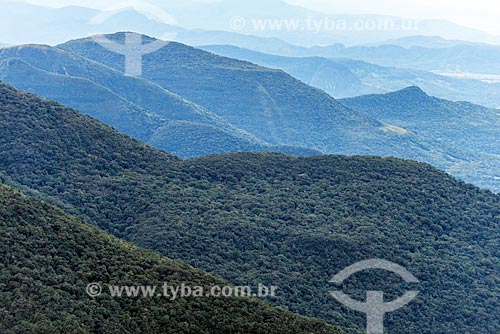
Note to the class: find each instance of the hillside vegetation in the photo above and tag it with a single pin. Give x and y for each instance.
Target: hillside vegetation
(472, 132)
(269, 104)
(131, 105)
(48, 258)
(279, 220)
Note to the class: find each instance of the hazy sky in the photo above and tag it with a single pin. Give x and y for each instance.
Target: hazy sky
(480, 14)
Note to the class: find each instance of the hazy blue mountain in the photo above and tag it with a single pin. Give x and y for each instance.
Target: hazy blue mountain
(267, 103)
(249, 218)
(198, 37)
(347, 78)
(43, 25)
(425, 42)
(453, 57)
(236, 106)
(461, 58)
(139, 108)
(454, 89)
(330, 76)
(218, 16)
(457, 125)
(82, 94)
(36, 24)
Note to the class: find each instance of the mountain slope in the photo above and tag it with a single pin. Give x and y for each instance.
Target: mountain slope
(456, 123)
(84, 95)
(267, 103)
(343, 78)
(391, 79)
(335, 79)
(474, 58)
(461, 126)
(272, 219)
(131, 105)
(48, 258)
(47, 25)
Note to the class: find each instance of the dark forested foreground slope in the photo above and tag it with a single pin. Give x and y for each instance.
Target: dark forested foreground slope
(48, 258)
(290, 222)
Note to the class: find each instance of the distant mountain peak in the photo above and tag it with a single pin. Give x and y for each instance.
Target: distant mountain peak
(408, 95)
(413, 90)
(121, 35)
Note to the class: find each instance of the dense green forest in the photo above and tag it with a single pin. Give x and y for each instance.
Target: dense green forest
(48, 258)
(468, 131)
(285, 221)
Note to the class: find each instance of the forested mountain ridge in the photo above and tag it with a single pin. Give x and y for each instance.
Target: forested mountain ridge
(238, 106)
(134, 106)
(267, 103)
(465, 128)
(48, 258)
(284, 221)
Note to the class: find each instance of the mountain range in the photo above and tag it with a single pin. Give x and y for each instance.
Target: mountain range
(348, 78)
(198, 23)
(152, 146)
(469, 126)
(266, 103)
(137, 107)
(460, 126)
(219, 15)
(190, 102)
(464, 57)
(430, 42)
(253, 102)
(269, 218)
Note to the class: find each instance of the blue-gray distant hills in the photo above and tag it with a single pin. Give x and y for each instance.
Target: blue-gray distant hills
(343, 77)
(187, 85)
(267, 103)
(135, 106)
(425, 42)
(39, 24)
(283, 111)
(463, 57)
